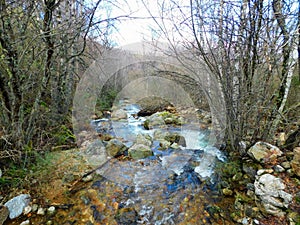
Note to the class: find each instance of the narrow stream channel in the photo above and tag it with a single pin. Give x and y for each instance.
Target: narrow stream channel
(160, 183)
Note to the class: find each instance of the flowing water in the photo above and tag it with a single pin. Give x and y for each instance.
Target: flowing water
(174, 186)
(160, 184)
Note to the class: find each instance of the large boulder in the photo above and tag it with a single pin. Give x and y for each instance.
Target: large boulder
(139, 151)
(264, 152)
(151, 105)
(17, 204)
(295, 163)
(115, 147)
(270, 191)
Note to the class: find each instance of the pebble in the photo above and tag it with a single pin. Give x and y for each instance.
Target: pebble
(263, 171)
(41, 212)
(34, 207)
(26, 222)
(279, 169)
(227, 191)
(87, 178)
(51, 210)
(27, 210)
(286, 165)
(49, 222)
(250, 186)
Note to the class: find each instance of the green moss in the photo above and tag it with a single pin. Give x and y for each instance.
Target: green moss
(64, 135)
(146, 124)
(106, 100)
(229, 169)
(17, 175)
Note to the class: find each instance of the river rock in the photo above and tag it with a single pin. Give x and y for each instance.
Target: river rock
(17, 204)
(295, 163)
(279, 169)
(26, 222)
(264, 152)
(270, 191)
(95, 153)
(164, 144)
(154, 121)
(139, 151)
(175, 146)
(119, 114)
(115, 147)
(126, 216)
(51, 210)
(27, 210)
(281, 138)
(3, 214)
(159, 134)
(144, 139)
(151, 105)
(41, 211)
(176, 138)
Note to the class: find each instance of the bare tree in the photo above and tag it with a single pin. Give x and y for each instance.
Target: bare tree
(248, 47)
(42, 50)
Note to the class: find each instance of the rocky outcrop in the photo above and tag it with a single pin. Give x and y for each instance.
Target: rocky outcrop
(271, 195)
(16, 205)
(295, 163)
(115, 147)
(264, 152)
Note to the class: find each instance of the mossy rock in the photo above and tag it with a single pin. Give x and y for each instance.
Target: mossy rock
(176, 138)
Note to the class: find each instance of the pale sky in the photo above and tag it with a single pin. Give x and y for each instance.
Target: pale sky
(133, 30)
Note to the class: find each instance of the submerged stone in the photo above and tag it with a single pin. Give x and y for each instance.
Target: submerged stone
(127, 216)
